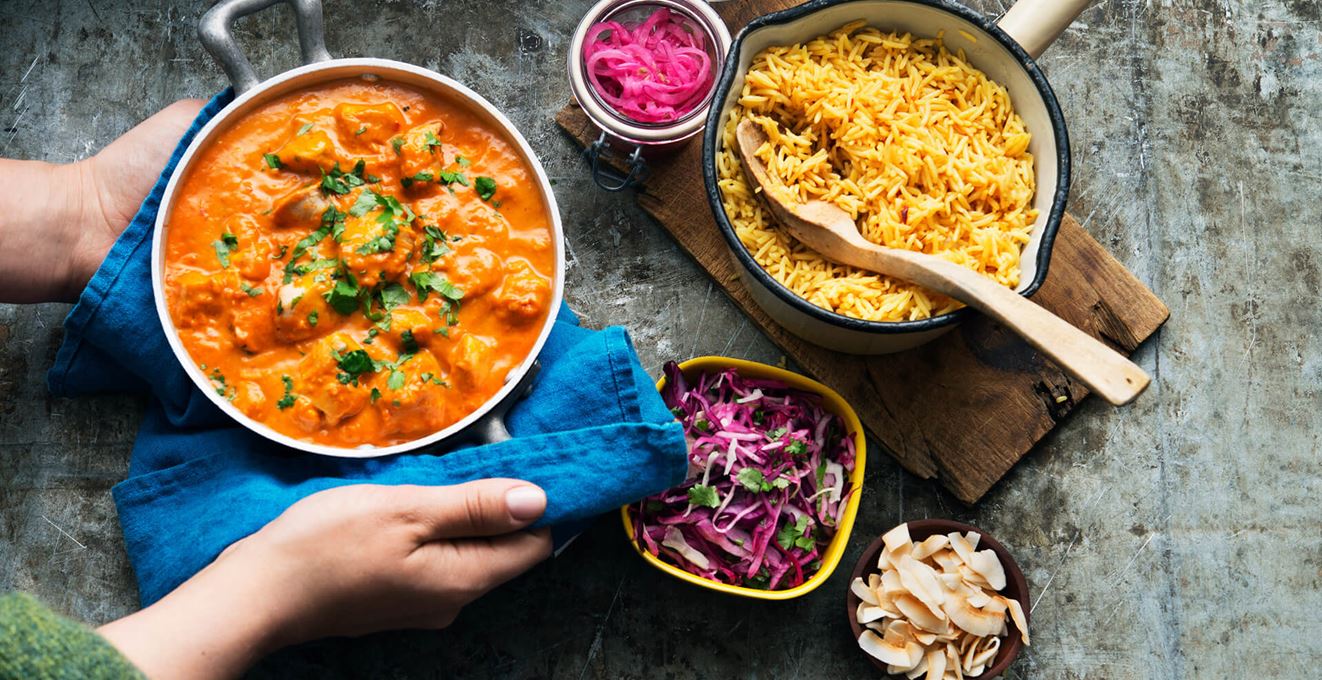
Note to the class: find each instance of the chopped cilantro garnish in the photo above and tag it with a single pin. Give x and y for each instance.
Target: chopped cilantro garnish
(343, 298)
(463, 162)
(381, 244)
(424, 176)
(353, 364)
(796, 535)
(307, 127)
(339, 182)
(397, 143)
(432, 142)
(751, 478)
(450, 177)
(287, 400)
(273, 161)
(485, 187)
(252, 292)
(796, 448)
(312, 319)
(393, 215)
(376, 394)
(221, 388)
(409, 343)
(366, 203)
(332, 221)
(433, 244)
(227, 243)
(396, 379)
(431, 282)
(393, 295)
(360, 130)
(704, 496)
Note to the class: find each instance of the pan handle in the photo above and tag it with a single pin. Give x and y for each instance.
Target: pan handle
(217, 35)
(1035, 24)
(491, 428)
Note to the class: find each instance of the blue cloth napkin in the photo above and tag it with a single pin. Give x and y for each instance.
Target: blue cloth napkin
(593, 432)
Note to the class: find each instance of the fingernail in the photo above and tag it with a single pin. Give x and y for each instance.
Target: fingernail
(525, 503)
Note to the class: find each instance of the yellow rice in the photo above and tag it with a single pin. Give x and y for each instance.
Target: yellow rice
(921, 148)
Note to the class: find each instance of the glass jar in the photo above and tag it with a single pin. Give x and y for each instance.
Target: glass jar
(620, 133)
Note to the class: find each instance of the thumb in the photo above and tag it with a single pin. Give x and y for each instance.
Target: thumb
(487, 507)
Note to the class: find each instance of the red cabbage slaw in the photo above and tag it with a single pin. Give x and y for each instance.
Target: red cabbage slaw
(654, 72)
(769, 480)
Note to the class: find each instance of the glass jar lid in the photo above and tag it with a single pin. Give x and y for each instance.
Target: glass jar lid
(700, 16)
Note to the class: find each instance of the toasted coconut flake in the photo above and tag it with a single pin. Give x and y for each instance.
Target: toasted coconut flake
(920, 580)
(897, 539)
(960, 545)
(918, 613)
(1017, 615)
(867, 614)
(970, 619)
(971, 577)
(898, 631)
(919, 669)
(936, 664)
(978, 597)
(966, 658)
(878, 648)
(947, 559)
(862, 592)
(953, 662)
(891, 584)
(987, 651)
(989, 567)
(929, 546)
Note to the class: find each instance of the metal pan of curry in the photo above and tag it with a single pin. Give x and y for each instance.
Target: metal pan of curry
(356, 257)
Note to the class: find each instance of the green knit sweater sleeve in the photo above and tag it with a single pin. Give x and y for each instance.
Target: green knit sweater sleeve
(37, 644)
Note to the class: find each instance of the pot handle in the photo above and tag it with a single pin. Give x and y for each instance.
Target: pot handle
(491, 428)
(1035, 24)
(217, 35)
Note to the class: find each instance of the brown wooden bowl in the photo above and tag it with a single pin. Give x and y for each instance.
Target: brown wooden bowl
(1015, 587)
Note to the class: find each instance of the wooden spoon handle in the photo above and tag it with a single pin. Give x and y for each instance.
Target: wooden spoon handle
(1104, 370)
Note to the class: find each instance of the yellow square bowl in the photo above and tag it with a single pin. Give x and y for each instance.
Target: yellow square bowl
(833, 403)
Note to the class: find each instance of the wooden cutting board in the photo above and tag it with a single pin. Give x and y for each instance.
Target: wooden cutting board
(962, 409)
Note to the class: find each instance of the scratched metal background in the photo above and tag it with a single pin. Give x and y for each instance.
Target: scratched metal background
(1179, 537)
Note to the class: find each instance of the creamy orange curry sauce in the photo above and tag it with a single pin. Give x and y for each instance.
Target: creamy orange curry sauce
(359, 263)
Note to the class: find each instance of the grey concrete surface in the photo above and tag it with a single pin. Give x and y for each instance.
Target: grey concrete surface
(1179, 537)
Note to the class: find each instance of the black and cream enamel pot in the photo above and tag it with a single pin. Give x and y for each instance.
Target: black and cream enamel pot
(486, 423)
(1003, 48)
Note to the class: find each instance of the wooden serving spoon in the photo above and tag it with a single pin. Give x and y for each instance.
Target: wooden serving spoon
(831, 232)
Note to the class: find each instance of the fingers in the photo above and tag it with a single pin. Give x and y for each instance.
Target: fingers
(488, 507)
(488, 562)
